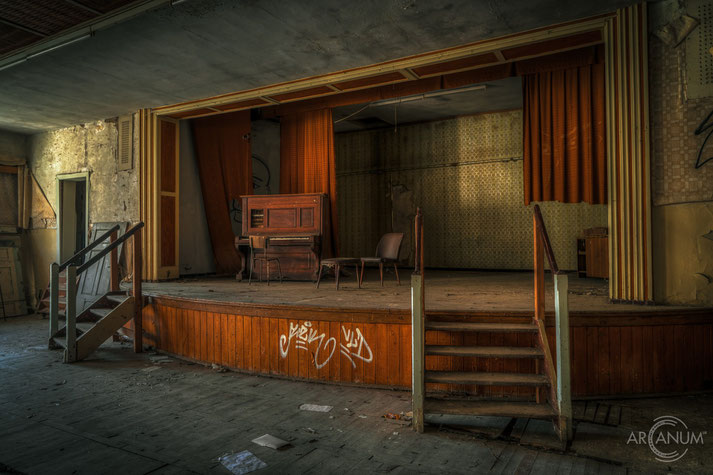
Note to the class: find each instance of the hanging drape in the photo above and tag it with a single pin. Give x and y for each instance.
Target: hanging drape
(307, 163)
(564, 135)
(222, 146)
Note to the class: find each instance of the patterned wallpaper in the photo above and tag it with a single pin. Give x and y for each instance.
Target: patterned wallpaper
(466, 174)
(674, 146)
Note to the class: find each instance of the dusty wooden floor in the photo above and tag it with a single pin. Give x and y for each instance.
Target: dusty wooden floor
(137, 414)
(446, 290)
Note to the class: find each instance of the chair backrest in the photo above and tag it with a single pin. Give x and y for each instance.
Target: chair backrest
(389, 246)
(257, 242)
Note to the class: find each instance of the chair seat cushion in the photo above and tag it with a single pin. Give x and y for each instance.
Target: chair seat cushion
(373, 259)
(331, 261)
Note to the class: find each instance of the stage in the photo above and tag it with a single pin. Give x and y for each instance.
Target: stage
(446, 290)
(363, 336)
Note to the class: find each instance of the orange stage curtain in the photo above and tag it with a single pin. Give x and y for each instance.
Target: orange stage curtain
(307, 163)
(564, 135)
(222, 145)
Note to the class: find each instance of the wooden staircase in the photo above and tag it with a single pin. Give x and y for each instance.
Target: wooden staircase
(84, 332)
(95, 325)
(470, 365)
(43, 306)
(485, 360)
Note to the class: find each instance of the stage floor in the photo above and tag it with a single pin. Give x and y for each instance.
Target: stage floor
(445, 290)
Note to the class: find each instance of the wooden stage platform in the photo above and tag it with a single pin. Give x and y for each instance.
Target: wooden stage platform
(363, 336)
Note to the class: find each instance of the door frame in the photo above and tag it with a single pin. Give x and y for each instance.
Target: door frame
(59, 179)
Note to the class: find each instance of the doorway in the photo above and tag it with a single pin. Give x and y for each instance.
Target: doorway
(72, 222)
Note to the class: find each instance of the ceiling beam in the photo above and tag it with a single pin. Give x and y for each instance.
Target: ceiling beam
(83, 7)
(22, 27)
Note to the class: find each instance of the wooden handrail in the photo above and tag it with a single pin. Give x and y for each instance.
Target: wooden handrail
(88, 248)
(109, 248)
(542, 230)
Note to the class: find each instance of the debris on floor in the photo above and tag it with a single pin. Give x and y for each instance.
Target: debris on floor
(315, 408)
(403, 416)
(218, 369)
(242, 462)
(270, 441)
(161, 359)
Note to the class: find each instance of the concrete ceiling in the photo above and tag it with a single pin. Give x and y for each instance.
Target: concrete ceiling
(202, 48)
(500, 95)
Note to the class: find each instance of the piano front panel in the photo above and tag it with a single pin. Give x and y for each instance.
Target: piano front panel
(299, 215)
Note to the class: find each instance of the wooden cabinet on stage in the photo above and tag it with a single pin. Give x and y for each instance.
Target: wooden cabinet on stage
(593, 256)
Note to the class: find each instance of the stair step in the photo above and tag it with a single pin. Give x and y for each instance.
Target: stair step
(117, 298)
(100, 312)
(60, 301)
(488, 408)
(487, 379)
(482, 327)
(485, 351)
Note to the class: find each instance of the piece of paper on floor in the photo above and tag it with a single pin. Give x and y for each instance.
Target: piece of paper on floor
(242, 462)
(315, 408)
(271, 441)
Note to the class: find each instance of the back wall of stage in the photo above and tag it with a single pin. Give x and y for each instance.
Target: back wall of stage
(467, 175)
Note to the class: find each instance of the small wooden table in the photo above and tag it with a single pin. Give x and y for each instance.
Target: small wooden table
(336, 263)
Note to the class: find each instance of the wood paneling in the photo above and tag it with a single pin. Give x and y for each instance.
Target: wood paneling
(311, 92)
(606, 360)
(370, 81)
(168, 156)
(556, 44)
(168, 237)
(456, 65)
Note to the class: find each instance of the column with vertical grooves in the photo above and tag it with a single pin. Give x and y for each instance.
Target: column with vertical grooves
(628, 156)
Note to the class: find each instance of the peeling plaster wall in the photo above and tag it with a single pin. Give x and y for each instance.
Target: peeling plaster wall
(682, 195)
(92, 147)
(683, 258)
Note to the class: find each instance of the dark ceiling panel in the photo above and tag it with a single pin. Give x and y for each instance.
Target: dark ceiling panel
(104, 6)
(12, 38)
(45, 16)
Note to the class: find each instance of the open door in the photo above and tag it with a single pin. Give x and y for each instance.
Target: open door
(96, 280)
(168, 199)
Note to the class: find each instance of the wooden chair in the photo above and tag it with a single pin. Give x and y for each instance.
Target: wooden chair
(259, 243)
(387, 252)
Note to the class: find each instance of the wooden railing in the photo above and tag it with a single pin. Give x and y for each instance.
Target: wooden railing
(418, 327)
(560, 395)
(72, 271)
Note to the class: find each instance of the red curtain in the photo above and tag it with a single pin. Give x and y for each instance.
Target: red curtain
(564, 135)
(222, 144)
(307, 163)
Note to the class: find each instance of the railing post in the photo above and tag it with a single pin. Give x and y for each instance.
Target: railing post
(418, 329)
(114, 265)
(564, 390)
(54, 301)
(539, 271)
(138, 299)
(70, 315)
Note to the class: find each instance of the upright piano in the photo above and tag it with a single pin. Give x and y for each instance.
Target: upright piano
(293, 225)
